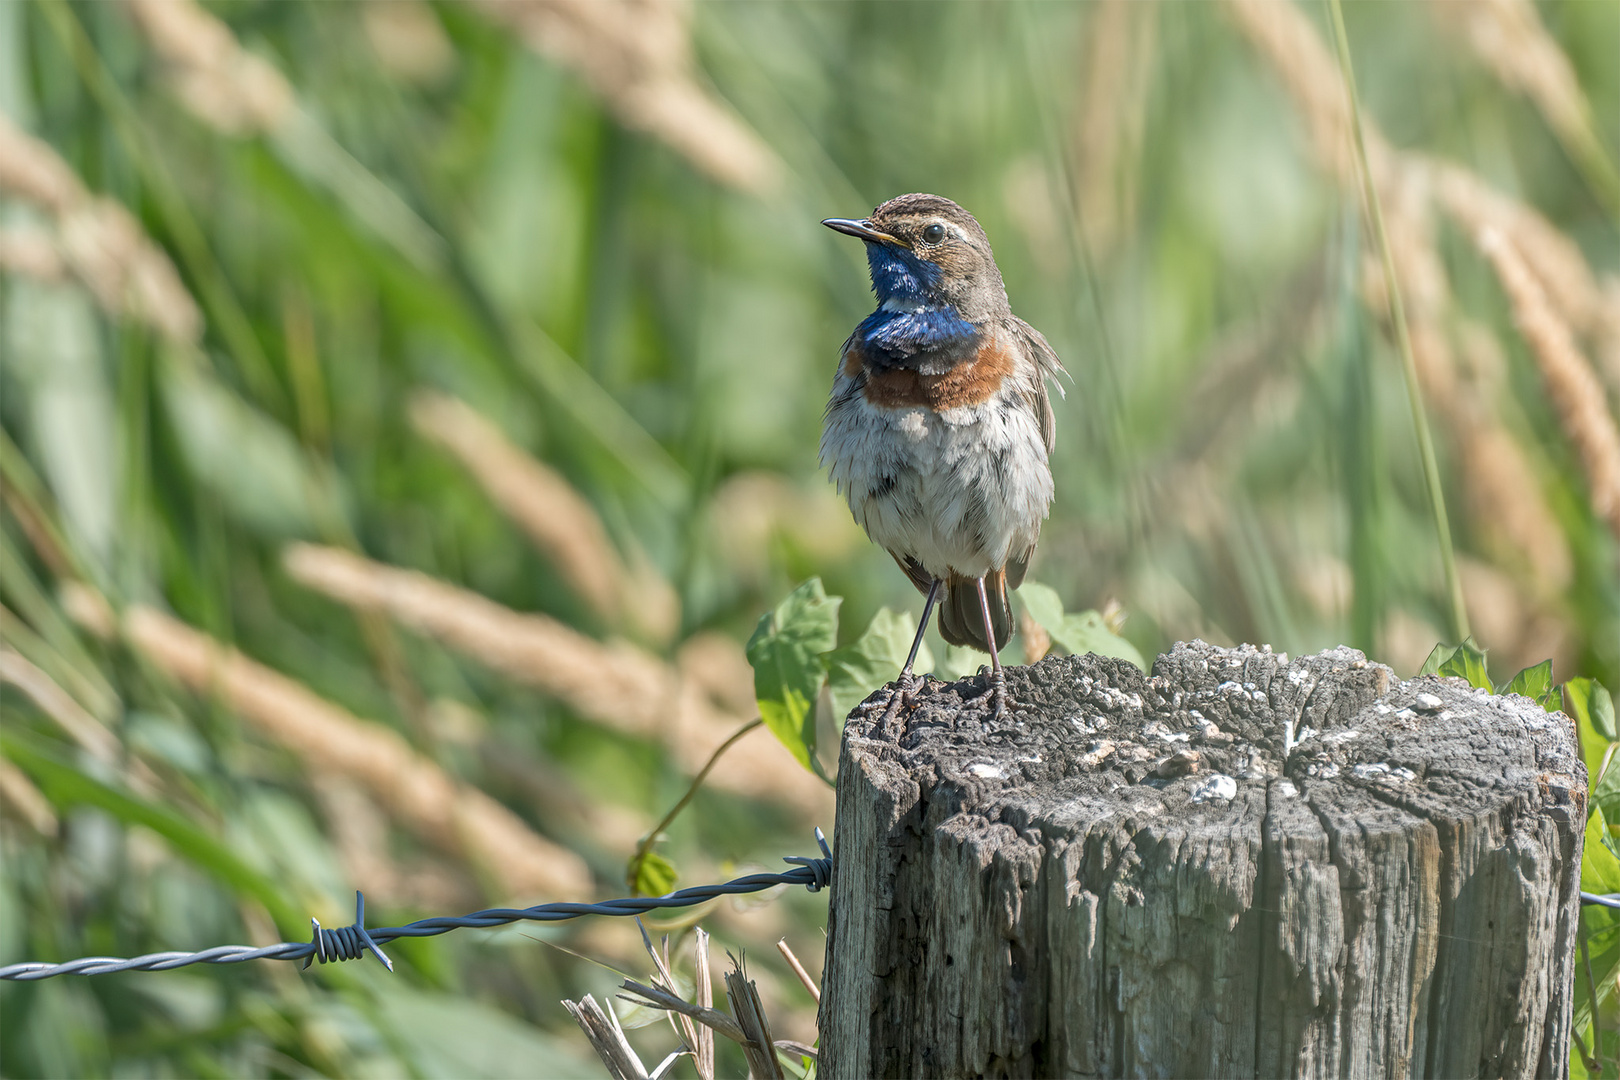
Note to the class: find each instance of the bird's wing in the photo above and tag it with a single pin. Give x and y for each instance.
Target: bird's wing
(1047, 366)
(919, 577)
(1017, 566)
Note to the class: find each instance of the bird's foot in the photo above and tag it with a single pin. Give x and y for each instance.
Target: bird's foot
(1000, 697)
(901, 696)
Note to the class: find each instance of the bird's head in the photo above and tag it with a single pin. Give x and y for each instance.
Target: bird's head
(927, 253)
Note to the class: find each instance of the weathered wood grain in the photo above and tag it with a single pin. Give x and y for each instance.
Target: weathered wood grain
(1240, 865)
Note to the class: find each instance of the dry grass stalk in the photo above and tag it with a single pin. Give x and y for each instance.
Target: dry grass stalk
(1571, 385)
(26, 801)
(1510, 39)
(408, 40)
(91, 734)
(31, 253)
(703, 1052)
(1285, 37)
(636, 55)
(1108, 133)
(1503, 495)
(1411, 187)
(754, 511)
(661, 998)
(556, 518)
(1505, 500)
(222, 84)
(359, 833)
(717, 663)
(1036, 641)
(459, 820)
(98, 240)
(607, 1038)
(798, 969)
(1504, 613)
(748, 1025)
(614, 684)
(759, 1047)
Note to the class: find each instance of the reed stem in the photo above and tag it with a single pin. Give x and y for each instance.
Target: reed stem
(1403, 339)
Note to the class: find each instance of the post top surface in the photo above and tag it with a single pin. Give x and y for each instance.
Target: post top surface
(1211, 729)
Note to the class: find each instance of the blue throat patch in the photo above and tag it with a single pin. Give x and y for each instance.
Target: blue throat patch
(924, 323)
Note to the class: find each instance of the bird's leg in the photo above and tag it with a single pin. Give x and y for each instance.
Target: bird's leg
(906, 683)
(998, 677)
(909, 684)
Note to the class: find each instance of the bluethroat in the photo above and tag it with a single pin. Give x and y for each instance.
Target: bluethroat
(939, 426)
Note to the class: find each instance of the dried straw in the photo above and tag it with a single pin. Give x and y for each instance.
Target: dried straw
(408, 40)
(613, 684)
(1555, 259)
(222, 84)
(636, 55)
(58, 704)
(31, 253)
(1411, 186)
(359, 833)
(1108, 131)
(98, 240)
(1285, 37)
(459, 820)
(1037, 642)
(1509, 38)
(1573, 389)
(29, 803)
(558, 520)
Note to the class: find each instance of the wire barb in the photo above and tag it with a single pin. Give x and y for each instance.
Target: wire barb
(346, 943)
(821, 868)
(352, 942)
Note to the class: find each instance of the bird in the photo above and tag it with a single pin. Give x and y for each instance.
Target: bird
(939, 428)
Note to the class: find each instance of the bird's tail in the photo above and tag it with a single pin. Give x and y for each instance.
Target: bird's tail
(960, 622)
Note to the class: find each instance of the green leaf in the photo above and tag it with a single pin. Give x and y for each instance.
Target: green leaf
(1592, 709)
(650, 874)
(1468, 662)
(873, 659)
(1606, 798)
(1437, 656)
(1081, 633)
(1590, 702)
(1600, 873)
(785, 652)
(1535, 683)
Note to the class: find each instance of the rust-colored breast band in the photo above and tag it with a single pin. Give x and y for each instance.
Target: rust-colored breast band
(973, 382)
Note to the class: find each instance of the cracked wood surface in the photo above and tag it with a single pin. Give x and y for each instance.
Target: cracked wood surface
(1240, 865)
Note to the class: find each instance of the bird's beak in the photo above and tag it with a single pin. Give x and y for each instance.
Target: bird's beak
(863, 230)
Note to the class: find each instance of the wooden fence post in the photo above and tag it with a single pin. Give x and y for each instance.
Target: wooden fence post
(1240, 865)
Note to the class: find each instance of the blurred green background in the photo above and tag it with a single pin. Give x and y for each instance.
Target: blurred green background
(242, 241)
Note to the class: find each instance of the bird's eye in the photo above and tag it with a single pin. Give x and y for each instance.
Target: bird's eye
(934, 233)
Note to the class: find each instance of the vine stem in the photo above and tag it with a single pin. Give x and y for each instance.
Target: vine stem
(651, 838)
(1403, 339)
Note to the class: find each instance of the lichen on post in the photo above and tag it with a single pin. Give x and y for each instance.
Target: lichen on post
(1239, 865)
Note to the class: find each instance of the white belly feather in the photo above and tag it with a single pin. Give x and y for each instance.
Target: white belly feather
(961, 491)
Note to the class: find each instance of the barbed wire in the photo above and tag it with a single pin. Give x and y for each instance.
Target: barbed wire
(352, 942)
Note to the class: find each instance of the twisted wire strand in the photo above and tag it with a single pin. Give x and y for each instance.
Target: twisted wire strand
(352, 942)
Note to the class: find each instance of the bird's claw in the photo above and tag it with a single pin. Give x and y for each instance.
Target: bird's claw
(1000, 699)
(901, 696)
